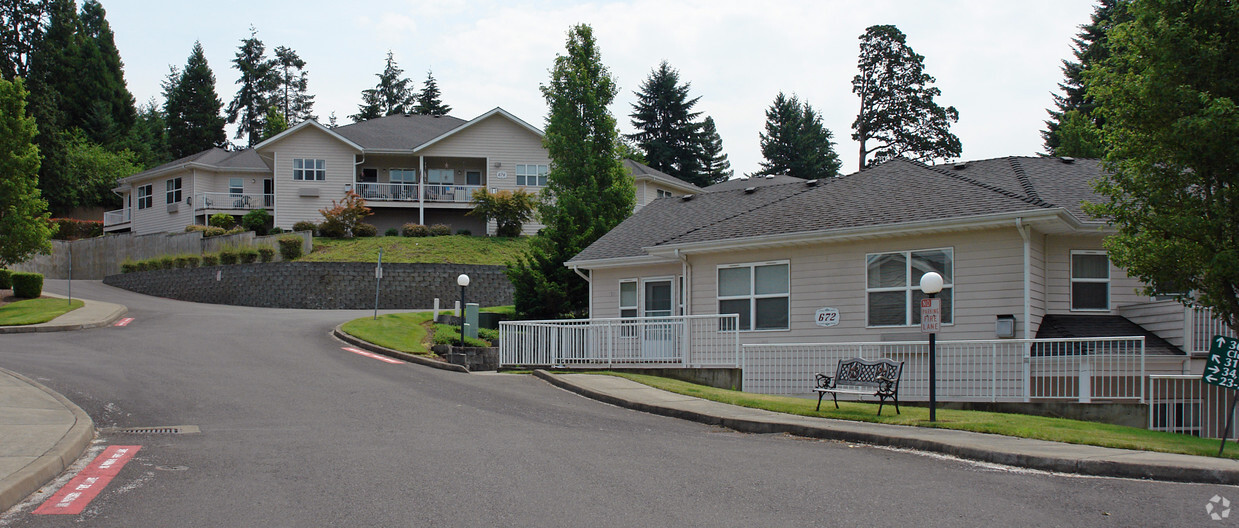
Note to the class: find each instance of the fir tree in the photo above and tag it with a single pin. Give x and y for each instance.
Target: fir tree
(295, 103)
(96, 100)
(52, 66)
(667, 128)
(796, 143)
(390, 97)
(1073, 129)
(714, 162)
(148, 138)
(588, 191)
(428, 102)
(258, 82)
(192, 108)
(897, 108)
(21, 29)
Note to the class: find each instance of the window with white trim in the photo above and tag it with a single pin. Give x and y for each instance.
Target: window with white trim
(174, 190)
(1090, 280)
(309, 169)
(145, 199)
(664, 194)
(439, 176)
(403, 175)
(759, 293)
(893, 285)
(236, 186)
(531, 175)
(628, 298)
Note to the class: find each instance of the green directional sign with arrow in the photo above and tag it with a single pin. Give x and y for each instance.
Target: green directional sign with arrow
(1222, 369)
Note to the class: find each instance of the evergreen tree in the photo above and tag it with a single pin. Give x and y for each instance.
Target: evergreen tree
(21, 29)
(390, 97)
(667, 128)
(53, 64)
(258, 83)
(796, 143)
(148, 139)
(331, 120)
(714, 161)
(273, 124)
(897, 108)
(295, 103)
(1073, 129)
(428, 102)
(24, 225)
(192, 108)
(588, 191)
(96, 99)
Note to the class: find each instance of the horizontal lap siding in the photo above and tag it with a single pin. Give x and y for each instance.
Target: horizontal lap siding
(1037, 289)
(605, 283)
(157, 219)
(1123, 289)
(310, 143)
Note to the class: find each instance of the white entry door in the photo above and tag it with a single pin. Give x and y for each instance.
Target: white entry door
(658, 340)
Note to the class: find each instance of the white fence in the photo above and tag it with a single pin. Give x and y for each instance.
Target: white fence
(1186, 404)
(681, 341)
(994, 370)
(1201, 327)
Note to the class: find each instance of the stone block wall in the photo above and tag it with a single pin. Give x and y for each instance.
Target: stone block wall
(322, 285)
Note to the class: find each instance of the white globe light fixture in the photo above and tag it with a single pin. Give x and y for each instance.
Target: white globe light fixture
(931, 283)
(463, 281)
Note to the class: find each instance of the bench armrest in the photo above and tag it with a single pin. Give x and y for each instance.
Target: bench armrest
(886, 385)
(824, 382)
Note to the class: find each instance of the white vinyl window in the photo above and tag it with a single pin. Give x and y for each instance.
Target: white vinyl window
(144, 196)
(236, 186)
(893, 285)
(403, 175)
(531, 175)
(758, 293)
(309, 169)
(1090, 281)
(664, 194)
(174, 190)
(439, 176)
(628, 298)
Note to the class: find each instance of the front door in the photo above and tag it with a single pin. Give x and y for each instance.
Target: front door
(658, 341)
(268, 193)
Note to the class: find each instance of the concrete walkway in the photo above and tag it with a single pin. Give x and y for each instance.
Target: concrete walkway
(1021, 452)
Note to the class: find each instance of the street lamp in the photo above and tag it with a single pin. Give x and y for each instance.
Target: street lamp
(931, 284)
(463, 281)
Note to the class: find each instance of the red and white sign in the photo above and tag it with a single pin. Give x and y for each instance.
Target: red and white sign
(77, 494)
(123, 322)
(372, 355)
(931, 315)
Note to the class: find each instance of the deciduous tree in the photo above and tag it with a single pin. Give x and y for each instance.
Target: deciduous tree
(24, 218)
(795, 142)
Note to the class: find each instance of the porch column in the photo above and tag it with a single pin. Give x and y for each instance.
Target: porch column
(421, 190)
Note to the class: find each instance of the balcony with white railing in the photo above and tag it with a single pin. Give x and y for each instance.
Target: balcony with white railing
(450, 193)
(387, 192)
(233, 202)
(116, 218)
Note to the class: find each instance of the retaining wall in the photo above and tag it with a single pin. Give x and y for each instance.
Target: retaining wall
(322, 285)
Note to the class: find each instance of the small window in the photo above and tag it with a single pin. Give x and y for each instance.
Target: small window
(236, 186)
(531, 175)
(174, 190)
(758, 293)
(664, 194)
(145, 199)
(628, 305)
(309, 169)
(1090, 281)
(473, 178)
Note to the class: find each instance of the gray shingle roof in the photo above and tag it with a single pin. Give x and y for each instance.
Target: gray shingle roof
(397, 132)
(893, 193)
(752, 181)
(214, 157)
(1067, 326)
(638, 169)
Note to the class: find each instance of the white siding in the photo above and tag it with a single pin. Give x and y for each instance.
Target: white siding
(605, 283)
(1123, 289)
(310, 143)
(157, 219)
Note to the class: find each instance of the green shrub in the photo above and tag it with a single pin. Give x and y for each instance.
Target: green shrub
(305, 225)
(229, 256)
(235, 231)
(256, 221)
(266, 254)
(392, 232)
(248, 255)
(222, 221)
(509, 209)
(290, 248)
(450, 335)
(182, 261)
(414, 230)
(440, 230)
(73, 229)
(27, 285)
(128, 266)
(275, 231)
(210, 259)
(6, 279)
(193, 260)
(365, 230)
(332, 230)
(464, 232)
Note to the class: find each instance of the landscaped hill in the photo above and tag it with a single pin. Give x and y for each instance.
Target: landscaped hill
(454, 249)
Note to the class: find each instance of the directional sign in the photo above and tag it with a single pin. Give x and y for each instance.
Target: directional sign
(931, 315)
(1222, 369)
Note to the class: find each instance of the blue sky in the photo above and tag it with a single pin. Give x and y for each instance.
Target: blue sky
(996, 62)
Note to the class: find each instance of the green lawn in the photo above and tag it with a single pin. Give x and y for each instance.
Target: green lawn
(1019, 425)
(405, 332)
(454, 249)
(35, 311)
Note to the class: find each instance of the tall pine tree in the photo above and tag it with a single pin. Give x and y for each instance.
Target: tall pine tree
(796, 143)
(192, 108)
(258, 82)
(21, 29)
(897, 108)
(428, 102)
(714, 161)
(390, 97)
(588, 191)
(97, 100)
(1073, 128)
(53, 64)
(295, 102)
(667, 128)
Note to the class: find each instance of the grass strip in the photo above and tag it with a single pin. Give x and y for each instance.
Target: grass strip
(455, 249)
(405, 332)
(1018, 425)
(35, 311)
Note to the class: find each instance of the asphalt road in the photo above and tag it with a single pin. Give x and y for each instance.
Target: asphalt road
(296, 431)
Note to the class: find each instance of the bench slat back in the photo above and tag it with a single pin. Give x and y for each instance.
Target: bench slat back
(859, 371)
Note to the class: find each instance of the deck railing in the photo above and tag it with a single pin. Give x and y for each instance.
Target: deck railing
(232, 202)
(450, 193)
(677, 341)
(1186, 404)
(1004, 370)
(1201, 327)
(119, 216)
(387, 192)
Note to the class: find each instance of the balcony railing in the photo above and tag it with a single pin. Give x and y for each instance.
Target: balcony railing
(671, 342)
(117, 217)
(233, 202)
(450, 193)
(407, 192)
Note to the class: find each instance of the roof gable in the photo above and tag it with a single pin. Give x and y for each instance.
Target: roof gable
(640, 171)
(465, 126)
(307, 124)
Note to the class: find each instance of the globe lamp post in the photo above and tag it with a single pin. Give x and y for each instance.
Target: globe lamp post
(931, 284)
(463, 281)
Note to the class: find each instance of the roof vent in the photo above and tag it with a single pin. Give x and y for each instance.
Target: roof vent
(749, 190)
(769, 176)
(810, 183)
(1066, 159)
(961, 165)
(686, 198)
(744, 178)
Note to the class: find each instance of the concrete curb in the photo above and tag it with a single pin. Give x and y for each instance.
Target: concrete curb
(1104, 466)
(27, 480)
(411, 358)
(112, 313)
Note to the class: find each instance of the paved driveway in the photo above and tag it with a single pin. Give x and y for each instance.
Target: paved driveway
(296, 431)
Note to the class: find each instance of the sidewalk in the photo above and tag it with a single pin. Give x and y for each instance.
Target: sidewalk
(1021, 452)
(41, 434)
(92, 314)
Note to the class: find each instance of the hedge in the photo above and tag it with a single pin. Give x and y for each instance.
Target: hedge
(6, 279)
(27, 285)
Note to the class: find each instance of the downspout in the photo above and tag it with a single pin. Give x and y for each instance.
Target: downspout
(275, 182)
(1023, 229)
(685, 270)
(589, 306)
(193, 176)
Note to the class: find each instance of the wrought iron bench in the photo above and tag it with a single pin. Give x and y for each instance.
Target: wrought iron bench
(877, 377)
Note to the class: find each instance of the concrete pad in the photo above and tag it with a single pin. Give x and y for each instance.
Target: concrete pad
(41, 434)
(30, 440)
